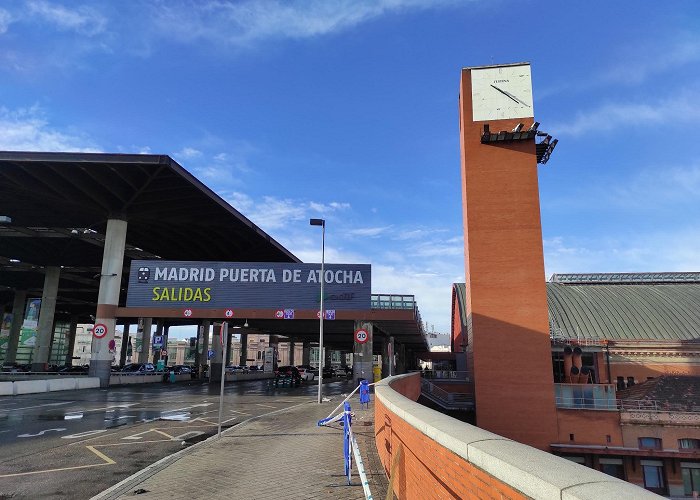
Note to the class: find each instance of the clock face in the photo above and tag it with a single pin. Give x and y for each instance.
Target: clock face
(500, 93)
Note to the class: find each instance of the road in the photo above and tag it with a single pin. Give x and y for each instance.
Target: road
(75, 444)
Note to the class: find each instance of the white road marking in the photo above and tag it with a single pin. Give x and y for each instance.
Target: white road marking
(84, 434)
(38, 406)
(182, 437)
(60, 429)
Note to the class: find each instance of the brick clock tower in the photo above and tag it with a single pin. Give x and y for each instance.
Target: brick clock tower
(508, 346)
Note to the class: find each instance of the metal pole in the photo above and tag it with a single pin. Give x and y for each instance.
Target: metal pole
(321, 314)
(224, 337)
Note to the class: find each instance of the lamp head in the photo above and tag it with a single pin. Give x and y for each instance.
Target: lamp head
(317, 222)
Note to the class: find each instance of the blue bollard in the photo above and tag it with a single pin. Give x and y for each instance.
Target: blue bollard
(347, 454)
(364, 393)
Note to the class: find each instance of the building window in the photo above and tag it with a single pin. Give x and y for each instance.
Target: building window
(690, 472)
(688, 444)
(613, 467)
(620, 383)
(630, 382)
(653, 471)
(650, 443)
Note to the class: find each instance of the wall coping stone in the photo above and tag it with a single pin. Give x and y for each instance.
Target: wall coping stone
(533, 472)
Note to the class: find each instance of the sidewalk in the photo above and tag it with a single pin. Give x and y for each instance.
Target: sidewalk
(283, 455)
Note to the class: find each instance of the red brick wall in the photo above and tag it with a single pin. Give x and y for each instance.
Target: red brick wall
(426, 470)
(505, 282)
(589, 427)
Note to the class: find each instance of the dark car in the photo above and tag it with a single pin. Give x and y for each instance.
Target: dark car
(74, 369)
(139, 368)
(328, 372)
(288, 375)
(180, 369)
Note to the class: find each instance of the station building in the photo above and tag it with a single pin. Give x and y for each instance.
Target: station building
(80, 234)
(601, 369)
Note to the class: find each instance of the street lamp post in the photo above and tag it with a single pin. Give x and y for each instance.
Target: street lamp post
(322, 223)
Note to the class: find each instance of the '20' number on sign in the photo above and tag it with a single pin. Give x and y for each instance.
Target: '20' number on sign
(361, 336)
(99, 330)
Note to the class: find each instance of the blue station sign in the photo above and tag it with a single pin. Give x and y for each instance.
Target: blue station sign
(248, 285)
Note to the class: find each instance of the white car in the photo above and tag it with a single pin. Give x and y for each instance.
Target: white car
(307, 372)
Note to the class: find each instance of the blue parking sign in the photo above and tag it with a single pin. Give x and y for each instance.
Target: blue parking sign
(210, 354)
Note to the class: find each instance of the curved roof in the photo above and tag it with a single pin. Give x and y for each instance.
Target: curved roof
(625, 312)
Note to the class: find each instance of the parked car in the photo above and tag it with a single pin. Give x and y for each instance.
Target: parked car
(307, 372)
(328, 372)
(254, 368)
(74, 369)
(288, 375)
(16, 368)
(180, 369)
(236, 369)
(139, 368)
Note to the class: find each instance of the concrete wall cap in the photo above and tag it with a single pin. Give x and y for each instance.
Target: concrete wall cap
(533, 472)
(596, 491)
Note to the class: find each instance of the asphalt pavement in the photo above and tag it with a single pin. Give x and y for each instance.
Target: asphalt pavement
(75, 444)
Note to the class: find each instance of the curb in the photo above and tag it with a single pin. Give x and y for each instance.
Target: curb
(124, 486)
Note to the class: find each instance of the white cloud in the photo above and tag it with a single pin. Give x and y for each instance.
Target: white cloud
(682, 108)
(371, 232)
(656, 186)
(637, 63)
(5, 20)
(189, 153)
(240, 23)
(634, 64)
(83, 20)
(663, 251)
(331, 207)
(27, 129)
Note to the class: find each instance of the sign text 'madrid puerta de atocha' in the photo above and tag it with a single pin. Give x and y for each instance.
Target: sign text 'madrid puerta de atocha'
(247, 285)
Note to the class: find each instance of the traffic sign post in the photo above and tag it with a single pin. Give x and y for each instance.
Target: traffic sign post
(224, 328)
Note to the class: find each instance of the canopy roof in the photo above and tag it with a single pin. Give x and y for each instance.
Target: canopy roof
(59, 204)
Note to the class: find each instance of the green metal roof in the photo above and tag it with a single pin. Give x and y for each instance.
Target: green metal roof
(622, 312)
(669, 312)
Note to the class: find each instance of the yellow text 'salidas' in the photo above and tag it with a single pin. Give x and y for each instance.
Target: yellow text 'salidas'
(177, 294)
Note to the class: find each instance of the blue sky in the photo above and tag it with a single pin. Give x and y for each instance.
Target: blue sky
(347, 110)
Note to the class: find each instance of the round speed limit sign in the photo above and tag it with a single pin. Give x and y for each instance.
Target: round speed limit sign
(361, 336)
(99, 330)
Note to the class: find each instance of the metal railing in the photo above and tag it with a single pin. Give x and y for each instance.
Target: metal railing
(381, 301)
(451, 375)
(603, 397)
(447, 400)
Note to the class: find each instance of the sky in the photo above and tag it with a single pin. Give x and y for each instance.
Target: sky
(347, 110)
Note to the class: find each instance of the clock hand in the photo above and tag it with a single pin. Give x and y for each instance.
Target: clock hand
(508, 94)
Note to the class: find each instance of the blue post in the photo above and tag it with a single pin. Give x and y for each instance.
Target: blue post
(364, 393)
(347, 422)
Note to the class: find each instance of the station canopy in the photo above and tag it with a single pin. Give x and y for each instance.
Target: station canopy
(54, 209)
